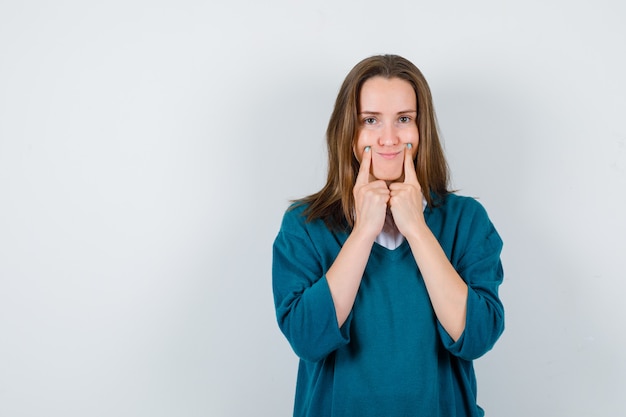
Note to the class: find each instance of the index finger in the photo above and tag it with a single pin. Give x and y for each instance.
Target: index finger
(410, 176)
(363, 176)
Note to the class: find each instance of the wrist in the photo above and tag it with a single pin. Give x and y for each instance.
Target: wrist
(419, 234)
(366, 235)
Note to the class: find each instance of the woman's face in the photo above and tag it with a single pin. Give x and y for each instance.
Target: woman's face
(387, 122)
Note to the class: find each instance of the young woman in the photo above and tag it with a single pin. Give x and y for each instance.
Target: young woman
(385, 282)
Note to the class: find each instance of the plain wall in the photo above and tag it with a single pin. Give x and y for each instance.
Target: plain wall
(148, 150)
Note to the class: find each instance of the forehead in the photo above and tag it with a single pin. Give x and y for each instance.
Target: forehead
(379, 93)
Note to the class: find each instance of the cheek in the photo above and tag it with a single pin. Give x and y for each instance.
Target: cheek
(361, 142)
(414, 140)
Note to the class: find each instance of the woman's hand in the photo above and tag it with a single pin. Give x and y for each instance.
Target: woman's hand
(370, 198)
(406, 199)
(447, 291)
(344, 275)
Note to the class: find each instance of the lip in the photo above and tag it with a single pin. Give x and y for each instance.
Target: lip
(388, 155)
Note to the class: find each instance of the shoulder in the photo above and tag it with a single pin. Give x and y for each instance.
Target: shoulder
(303, 238)
(294, 216)
(462, 216)
(462, 206)
(464, 229)
(295, 221)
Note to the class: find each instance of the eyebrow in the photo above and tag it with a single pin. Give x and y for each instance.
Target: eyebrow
(376, 113)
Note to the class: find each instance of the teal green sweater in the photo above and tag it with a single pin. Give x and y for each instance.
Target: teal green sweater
(391, 358)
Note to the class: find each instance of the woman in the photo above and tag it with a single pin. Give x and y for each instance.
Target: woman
(385, 282)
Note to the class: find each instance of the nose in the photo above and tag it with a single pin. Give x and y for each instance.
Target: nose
(389, 136)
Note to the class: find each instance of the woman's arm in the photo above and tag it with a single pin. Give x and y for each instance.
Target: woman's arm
(446, 289)
(344, 275)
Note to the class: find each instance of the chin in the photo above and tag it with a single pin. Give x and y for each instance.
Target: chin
(388, 175)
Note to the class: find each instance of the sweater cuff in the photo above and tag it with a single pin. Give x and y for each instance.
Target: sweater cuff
(341, 334)
(477, 335)
(319, 334)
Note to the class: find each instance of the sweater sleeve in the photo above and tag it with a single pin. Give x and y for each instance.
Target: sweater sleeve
(480, 267)
(304, 307)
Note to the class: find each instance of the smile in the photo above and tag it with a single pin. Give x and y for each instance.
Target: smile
(387, 155)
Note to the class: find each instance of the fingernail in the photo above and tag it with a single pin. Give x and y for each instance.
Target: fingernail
(367, 149)
(409, 145)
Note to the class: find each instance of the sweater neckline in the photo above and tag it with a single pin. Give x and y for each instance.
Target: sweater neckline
(393, 253)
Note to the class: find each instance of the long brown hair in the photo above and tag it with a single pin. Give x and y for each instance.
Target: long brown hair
(334, 203)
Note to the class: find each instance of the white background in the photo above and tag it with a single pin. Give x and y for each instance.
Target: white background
(149, 148)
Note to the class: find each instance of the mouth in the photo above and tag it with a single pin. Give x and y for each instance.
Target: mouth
(388, 155)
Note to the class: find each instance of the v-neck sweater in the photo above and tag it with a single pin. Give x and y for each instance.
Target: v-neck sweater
(391, 357)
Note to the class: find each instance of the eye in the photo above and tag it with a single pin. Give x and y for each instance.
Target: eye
(369, 120)
(404, 119)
